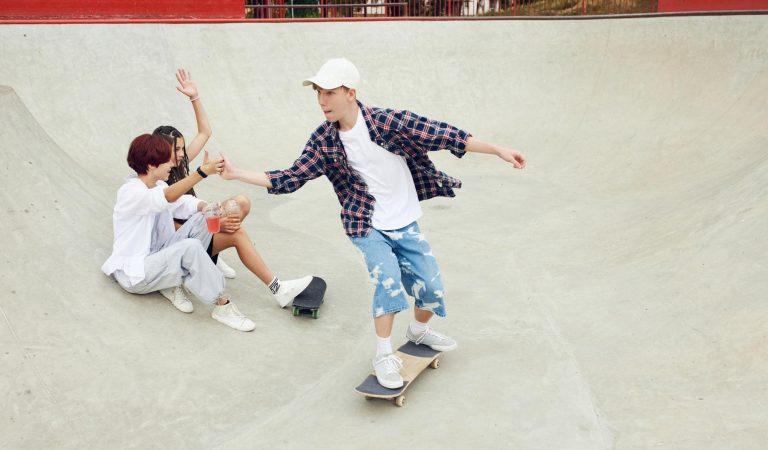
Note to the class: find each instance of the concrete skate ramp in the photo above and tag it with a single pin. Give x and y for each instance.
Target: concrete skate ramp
(612, 295)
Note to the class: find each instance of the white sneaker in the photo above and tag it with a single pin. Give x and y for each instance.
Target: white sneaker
(387, 370)
(178, 299)
(433, 339)
(230, 316)
(225, 269)
(290, 289)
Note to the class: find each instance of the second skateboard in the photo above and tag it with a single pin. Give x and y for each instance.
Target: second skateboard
(309, 300)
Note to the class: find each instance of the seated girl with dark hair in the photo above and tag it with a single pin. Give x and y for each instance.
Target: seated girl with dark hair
(183, 154)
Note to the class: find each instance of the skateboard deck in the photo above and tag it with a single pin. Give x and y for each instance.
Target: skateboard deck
(310, 299)
(415, 358)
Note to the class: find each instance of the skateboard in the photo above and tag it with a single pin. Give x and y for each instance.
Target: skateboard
(309, 301)
(415, 358)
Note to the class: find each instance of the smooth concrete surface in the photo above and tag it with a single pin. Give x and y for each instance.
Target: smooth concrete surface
(611, 295)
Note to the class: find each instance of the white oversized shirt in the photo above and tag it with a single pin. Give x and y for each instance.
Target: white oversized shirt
(386, 175)
(137, 210)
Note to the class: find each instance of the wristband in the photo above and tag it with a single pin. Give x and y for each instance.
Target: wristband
(200, 171)
(193, 99)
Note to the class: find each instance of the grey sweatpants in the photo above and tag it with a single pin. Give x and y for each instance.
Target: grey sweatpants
(181, 259)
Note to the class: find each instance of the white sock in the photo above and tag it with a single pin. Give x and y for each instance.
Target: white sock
(383, 346)
(274, 285)
(417, 327)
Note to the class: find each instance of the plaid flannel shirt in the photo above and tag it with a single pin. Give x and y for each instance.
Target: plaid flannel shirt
(400, 132)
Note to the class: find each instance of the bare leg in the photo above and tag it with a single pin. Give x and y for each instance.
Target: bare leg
(383, 325)
(245, 205)
(246, 251)
(422, 315)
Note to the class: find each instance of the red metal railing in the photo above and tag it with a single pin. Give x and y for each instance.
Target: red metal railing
(712, 5)
(278, 9)
(123, 11)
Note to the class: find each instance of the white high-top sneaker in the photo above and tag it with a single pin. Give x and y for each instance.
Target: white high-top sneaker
(178, 299)
(225, 269)
(289, 289)
(230, 316)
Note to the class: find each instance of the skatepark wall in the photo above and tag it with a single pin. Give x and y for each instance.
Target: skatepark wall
(95, 87)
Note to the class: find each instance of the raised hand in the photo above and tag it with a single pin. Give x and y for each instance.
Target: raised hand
(186, 85)
(210, 166)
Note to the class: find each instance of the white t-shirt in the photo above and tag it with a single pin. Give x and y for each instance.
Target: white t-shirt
(140, 213)
(386, 175)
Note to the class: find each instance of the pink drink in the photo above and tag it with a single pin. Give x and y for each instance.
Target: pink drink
(214, 223)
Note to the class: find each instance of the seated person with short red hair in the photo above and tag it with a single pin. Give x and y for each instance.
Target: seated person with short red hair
(149, 255)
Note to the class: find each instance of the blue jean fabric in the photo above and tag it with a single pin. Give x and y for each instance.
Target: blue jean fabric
(399, 262)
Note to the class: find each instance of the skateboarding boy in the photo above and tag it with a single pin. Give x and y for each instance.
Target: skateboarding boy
(377, 160)
(149, 254)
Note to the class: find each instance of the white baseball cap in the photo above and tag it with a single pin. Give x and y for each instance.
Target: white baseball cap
(334, 73)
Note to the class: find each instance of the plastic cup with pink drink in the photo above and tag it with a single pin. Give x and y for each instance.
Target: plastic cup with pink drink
(212, 213)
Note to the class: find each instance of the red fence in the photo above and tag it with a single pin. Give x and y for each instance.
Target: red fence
(54, 10)
(279, 9)
(121, 9)
(712, 5)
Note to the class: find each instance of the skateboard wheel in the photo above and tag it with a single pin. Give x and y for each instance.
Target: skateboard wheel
(400, 400)
(314, 314)
(435, 363)
(295, 311)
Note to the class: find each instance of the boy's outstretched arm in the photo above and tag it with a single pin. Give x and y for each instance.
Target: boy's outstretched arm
(231, 172)
(511, 156)
(308, 166)
(434, 135)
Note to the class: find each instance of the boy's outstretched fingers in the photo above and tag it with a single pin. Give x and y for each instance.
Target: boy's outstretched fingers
(520, 159)
(228, 172)
(513, 157)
